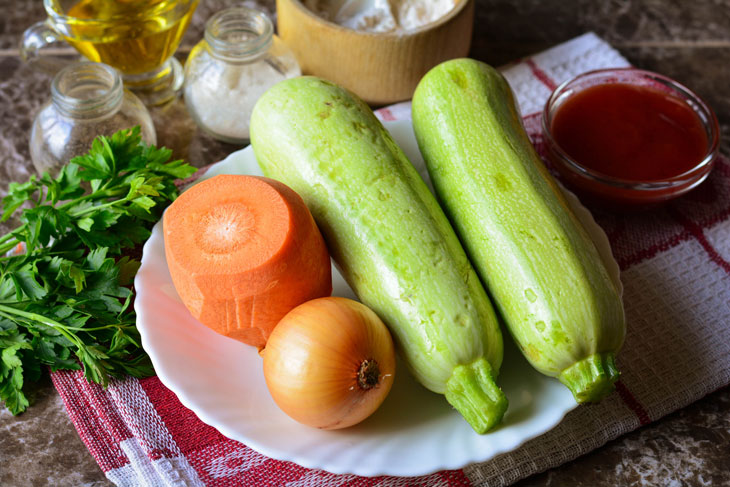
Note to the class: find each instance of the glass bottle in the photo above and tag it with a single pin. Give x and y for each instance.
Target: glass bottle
(87, 99)
(238, 59)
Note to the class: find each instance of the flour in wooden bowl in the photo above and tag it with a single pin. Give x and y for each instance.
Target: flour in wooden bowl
(381, 16)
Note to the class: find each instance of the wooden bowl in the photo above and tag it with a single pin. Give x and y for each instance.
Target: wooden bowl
(379, 68)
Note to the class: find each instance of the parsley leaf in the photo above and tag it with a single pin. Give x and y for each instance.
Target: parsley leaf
(66, 301)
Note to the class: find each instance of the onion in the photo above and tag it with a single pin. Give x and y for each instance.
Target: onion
(329, 363)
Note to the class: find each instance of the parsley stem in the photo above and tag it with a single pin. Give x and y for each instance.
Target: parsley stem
(31, 316)
(41, 319)
(6, 237)
(91, 209)
(8, 246)
(105, 327)
(97, 195)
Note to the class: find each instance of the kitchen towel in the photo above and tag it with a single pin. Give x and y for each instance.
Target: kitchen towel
(675, 267)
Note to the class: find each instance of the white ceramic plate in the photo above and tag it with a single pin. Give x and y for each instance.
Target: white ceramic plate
(414, 432)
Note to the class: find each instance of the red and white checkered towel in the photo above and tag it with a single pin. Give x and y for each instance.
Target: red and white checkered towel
(675, 266)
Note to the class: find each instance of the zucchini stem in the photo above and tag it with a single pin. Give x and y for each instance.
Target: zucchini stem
(592, 378)
(472, 391)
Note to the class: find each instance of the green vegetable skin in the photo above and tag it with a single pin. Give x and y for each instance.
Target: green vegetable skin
(539, 264)
(390, 239)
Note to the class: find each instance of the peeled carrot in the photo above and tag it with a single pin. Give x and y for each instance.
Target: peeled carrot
(242, 252)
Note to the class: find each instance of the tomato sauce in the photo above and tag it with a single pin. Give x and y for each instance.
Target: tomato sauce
(631, 132)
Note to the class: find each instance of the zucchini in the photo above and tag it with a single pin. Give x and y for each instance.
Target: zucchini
(388, 236)
(539, 264)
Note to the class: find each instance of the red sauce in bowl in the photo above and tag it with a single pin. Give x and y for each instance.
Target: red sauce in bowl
(631, 132)
(628, 138)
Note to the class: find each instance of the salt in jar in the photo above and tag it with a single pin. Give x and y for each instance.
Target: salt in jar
(238, 59)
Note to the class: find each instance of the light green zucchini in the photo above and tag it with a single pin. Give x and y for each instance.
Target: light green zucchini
(388, 236)
(539, 264)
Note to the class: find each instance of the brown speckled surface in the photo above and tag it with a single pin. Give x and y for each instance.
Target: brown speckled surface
(689, 41)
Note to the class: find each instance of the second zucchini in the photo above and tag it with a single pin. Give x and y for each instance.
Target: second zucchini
(532, 253)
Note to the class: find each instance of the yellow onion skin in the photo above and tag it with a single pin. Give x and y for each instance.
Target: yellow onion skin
(329, 363)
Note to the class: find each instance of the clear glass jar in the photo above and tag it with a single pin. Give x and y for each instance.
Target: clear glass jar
(87, 99)
(236, 62)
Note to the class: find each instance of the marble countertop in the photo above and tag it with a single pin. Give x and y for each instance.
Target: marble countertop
(688, 41)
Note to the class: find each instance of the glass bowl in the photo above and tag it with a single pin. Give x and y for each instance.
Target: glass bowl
(596, 187)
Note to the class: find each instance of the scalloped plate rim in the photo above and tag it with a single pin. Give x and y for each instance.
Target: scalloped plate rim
(402, 133)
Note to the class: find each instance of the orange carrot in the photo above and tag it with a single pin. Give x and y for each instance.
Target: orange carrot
(243, 251)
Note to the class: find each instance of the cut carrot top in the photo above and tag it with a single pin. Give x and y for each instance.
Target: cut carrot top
(243, 251)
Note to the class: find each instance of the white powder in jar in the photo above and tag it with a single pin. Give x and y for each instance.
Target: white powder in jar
(381, 15)
(223, 95)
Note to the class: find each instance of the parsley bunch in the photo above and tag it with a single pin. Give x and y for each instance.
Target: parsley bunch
(66, 301)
